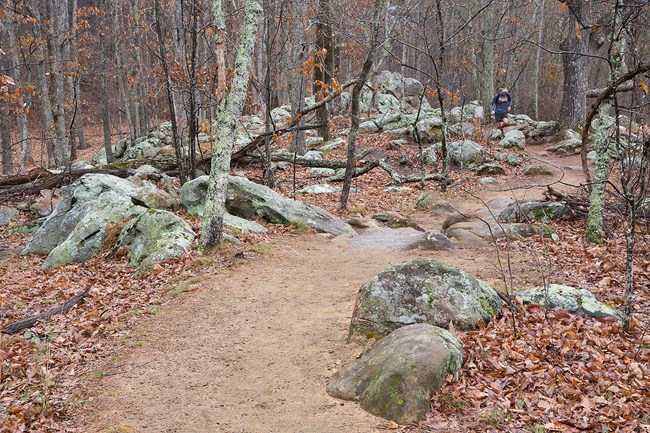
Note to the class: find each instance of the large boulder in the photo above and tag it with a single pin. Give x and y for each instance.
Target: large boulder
(146, 149)
(87, 238)
(389, 83)
(534, 211)
(247, 199)
(513, 138)
(154, 236)
(429, 129)
(387, 103)
(397, 376)
(422, 291)
(77, 228)
(193, 193)
(571, 299)
(466, 152)
(75, 201)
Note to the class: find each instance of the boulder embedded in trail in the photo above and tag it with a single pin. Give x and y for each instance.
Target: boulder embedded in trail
(396, 377)
(422, 291)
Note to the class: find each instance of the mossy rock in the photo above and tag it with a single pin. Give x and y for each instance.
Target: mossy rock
(396, 377)
(571, 299)
(422, 291)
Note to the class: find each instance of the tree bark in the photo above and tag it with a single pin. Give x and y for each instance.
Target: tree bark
(575, 48)
(106, 121)
(323, 73)
(604, 128)
(297, 79)
(487, 56)
(229, 112)
(170, 96)
(377, 21)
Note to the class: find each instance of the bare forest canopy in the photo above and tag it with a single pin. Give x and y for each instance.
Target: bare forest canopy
(126, 66)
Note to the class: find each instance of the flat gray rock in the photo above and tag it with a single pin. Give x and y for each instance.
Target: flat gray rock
(388, 239)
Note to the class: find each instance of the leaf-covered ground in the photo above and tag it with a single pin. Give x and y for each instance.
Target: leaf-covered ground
(531, 370)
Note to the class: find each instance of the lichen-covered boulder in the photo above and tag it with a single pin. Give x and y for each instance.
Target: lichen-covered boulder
(397, 376)
(149, 148)
(429, 129)
(387, 103)
(154, 236)
(534, 211)
(490, 168)
(538, 170)
(193, 193)
(430, 156)
(422, 291)
(320, 189)
(73, 205)
(466, 152)
(247, 199)
(87, 237)
(571, 299)
(514, 138)
(369, 126)
(566, 147)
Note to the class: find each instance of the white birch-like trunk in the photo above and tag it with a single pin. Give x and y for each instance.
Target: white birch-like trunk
(229, 112)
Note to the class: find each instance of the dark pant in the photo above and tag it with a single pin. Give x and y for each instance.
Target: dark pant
(498, 117)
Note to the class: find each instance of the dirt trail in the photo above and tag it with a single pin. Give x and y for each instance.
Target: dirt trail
(252, 350)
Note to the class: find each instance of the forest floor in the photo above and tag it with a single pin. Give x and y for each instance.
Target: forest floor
(245, 340)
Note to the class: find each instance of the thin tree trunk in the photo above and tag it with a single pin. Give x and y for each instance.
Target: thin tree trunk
(539, 12)
(297, 79)
(106, 125)
(46, 103)
(487, 56)
(58, 9)
(377, 21)
(5, 138)
(229, 112)
(21, 115)
(170, 97)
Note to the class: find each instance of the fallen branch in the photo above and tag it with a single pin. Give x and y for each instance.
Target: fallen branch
(61, 309)
(298, 160)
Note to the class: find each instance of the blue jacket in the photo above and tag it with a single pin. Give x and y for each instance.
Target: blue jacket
(500, 103)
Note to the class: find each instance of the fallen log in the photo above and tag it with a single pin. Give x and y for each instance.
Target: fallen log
(61, 309)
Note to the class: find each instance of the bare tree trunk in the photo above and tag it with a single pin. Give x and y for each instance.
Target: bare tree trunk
(21, 115)
(170, 98)
(46, 103)
(487, 56)
(377, 22)
(106, 122)
(268, 74)
(5, 138)
(539, 23)
(604, 128)
(573, 108)
(323, 74)
(58, 25)
(297, 79)
(229, 112)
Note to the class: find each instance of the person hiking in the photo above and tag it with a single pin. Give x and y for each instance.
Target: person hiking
(501, 105)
